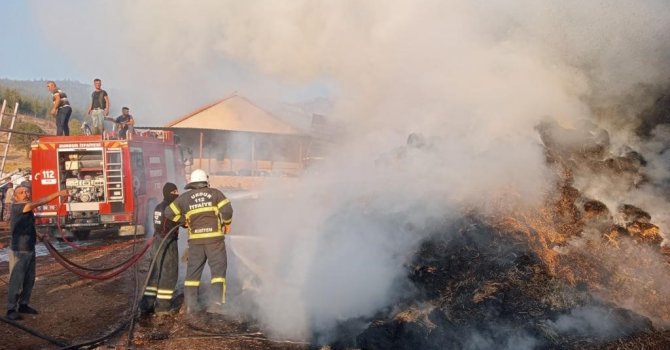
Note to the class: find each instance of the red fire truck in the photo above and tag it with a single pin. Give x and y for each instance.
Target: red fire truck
(112, 184)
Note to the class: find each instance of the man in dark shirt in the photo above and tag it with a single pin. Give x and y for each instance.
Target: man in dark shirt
(22, 227)
(124, 123)
(99, 108)
(160, 289)
(60, 109)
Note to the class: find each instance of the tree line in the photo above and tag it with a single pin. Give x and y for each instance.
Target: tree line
(36, 106)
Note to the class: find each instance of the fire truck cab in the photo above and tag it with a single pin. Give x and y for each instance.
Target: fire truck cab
(112, 184)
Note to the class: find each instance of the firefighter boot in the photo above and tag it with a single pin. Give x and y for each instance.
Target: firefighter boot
(147, 305)
(219, 296)
(217, 308)
(191, 300)
(163, 307)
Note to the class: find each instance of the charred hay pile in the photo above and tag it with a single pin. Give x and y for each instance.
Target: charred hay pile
(575, 273)
(479, 288)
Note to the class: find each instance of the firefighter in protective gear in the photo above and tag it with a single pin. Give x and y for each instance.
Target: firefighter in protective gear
(207, 214)
(160, 289)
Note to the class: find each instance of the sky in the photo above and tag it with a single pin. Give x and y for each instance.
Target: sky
(27, 54)
(88, 40)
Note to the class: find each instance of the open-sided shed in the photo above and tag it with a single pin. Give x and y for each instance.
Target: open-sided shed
(235, 137)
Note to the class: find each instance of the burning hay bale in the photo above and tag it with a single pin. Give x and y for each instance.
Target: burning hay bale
(582, 271)
(631, 213)
(594, 209)
(645, 232)
(637, 224)
(484, 289)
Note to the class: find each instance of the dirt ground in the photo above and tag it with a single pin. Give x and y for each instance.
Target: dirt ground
(73, 311)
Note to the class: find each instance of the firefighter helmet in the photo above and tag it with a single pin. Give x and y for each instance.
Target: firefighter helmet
(198, 177)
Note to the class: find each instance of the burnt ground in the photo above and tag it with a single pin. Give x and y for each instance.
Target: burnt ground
(479, 288)
(474, 286)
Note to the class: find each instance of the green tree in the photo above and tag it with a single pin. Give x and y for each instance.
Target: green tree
(30, 105)
(22, 141)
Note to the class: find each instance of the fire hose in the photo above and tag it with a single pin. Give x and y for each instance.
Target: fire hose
(78, 247)
(136, 293)
(69, 265)
(146, 282)
(92, 269)
(123, 325)
(116, 270)
(191, 325)
(91, 342)
(254, 335)
(34, 332)
(132, 313)
(125, 265)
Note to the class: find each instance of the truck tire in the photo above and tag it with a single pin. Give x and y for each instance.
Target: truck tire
(82, 234)
(69, 234)
(52, 232)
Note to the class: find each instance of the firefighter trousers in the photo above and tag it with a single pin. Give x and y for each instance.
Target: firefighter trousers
(160, 290)
(215, 255)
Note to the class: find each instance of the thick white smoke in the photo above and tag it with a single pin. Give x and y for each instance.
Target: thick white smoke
(474, 77)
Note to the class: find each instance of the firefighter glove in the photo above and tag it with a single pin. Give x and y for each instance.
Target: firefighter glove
(226, 229)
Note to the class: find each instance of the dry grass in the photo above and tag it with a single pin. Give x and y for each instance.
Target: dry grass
(16, 158)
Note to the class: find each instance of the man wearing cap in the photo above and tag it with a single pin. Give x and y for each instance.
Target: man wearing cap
(208, 214)
(22, 227)
(160, 289)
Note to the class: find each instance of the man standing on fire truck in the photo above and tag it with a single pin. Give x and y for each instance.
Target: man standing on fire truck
(60, 109)
(158, 293)
(99, 108)
(208, 214)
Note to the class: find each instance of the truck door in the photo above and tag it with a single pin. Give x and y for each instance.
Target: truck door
(169, 165)
(137, 166)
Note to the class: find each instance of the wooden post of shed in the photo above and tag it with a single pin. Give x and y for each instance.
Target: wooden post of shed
(209, 160)
(301, 153)
(200, 157)
(253, 154)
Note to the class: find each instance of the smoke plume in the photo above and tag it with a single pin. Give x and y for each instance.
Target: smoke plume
(473, 77)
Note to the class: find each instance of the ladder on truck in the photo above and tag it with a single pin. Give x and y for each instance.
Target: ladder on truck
(8, 131)
(114, 175)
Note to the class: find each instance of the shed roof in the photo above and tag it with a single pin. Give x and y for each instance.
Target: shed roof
(234, 113)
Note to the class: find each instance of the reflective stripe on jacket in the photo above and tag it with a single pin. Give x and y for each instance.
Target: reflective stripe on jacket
(203, 210)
